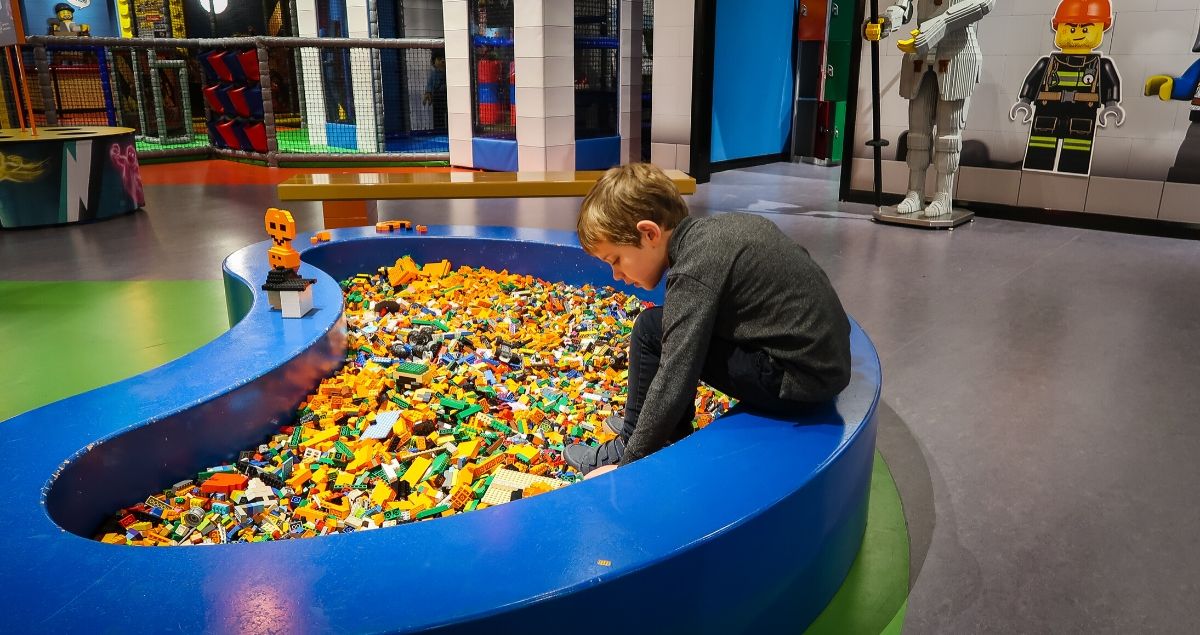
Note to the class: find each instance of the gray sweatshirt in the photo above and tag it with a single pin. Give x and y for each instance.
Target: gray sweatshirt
(737, 277)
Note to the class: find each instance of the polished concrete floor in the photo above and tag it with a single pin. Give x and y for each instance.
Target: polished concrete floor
(1039, 409)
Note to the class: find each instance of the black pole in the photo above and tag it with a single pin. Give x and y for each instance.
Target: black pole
(877, 143)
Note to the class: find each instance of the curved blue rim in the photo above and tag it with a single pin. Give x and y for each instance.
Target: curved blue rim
(751, 523)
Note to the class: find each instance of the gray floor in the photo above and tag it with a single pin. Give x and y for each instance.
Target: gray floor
(1040, 392)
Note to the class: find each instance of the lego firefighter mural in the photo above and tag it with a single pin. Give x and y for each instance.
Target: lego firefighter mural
(1068, 94)
(1186, 87)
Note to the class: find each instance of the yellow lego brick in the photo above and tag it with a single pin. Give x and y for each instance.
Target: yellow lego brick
(383, 493)
(467, 449)
(415, 471)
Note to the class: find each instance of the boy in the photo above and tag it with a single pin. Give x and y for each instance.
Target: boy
(746, 310)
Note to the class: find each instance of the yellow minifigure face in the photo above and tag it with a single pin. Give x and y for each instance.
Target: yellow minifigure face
(1079, 38)
(65, 14)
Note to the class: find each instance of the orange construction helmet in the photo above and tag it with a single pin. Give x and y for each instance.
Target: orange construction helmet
(1083, 12)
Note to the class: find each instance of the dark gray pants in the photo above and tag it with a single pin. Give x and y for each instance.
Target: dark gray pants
(748, 375)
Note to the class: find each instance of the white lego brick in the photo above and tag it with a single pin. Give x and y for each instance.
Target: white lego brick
(683, 157)
(531, 102)
(671, 128)
(531, 72)
(460, 153)
(559, 13)
(306, 22)
(560, 101)
(560, 158)
(459, 128)
(296, 304)
(531, 131)
(625, 148)
(674, 13)
(529, 41)
(455, 15)
(459, 124)
(663, 155)
(528, 12)
(458, 45)
(560, 71)
(666, 43)
(559, 41)
(458, 72)
(559, 130)
(458, 99)
(531, 158)
(357, 23)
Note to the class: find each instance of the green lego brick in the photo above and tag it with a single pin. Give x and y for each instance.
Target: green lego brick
(433, 511)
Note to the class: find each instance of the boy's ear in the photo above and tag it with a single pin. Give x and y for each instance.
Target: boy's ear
(650, 230)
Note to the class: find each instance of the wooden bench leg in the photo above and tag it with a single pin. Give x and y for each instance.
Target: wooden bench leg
(347, 213)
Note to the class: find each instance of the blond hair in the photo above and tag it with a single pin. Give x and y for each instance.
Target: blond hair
(622, 197)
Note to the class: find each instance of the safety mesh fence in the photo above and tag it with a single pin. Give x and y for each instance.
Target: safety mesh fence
(493, 84)
(597, 37)
(262, 97)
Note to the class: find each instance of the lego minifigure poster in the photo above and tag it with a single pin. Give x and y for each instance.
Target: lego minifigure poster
(68, 18)
(1071, 92)
(1080, 105)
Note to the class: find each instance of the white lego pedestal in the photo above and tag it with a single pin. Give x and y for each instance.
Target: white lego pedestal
(294, 304)
(955, 218)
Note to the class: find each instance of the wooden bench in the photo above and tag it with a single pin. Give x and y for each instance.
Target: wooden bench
(349, 199)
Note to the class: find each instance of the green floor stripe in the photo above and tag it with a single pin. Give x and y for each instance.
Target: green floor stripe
(63, 338)
(873, 599)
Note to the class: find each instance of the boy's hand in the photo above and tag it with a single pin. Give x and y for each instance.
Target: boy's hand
(604, 469)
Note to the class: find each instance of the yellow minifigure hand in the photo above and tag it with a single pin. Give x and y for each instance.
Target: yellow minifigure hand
(909, 46)
(1161, 85)
(873, 31)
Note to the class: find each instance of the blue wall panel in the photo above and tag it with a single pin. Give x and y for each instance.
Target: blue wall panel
(752, 78)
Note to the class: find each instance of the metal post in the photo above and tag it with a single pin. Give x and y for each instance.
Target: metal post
(115, 86)
(137, 93)
(106, 85)
(12, 77)
(28, 103)
(877, 143)
(160, 115)
(264, 81)
(42, 61)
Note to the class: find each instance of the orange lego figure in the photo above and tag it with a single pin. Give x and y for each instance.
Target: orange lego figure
(282, 229)
(286, 290)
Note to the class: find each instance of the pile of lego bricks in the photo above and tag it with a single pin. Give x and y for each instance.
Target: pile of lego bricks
(460, 391)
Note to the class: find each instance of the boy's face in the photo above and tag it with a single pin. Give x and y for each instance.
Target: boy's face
(641, 266)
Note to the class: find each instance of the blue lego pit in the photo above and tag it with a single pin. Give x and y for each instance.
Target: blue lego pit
(749, 525)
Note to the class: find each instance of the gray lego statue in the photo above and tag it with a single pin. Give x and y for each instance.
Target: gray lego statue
(942, 62)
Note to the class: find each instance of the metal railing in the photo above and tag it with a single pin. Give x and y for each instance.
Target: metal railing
(270, 99)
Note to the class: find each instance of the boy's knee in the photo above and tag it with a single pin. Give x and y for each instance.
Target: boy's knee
(648, 323)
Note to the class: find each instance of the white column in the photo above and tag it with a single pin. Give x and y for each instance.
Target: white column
(671, 119)
(458, 81)
(311, 73)
(544, 32)
(362, 79)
